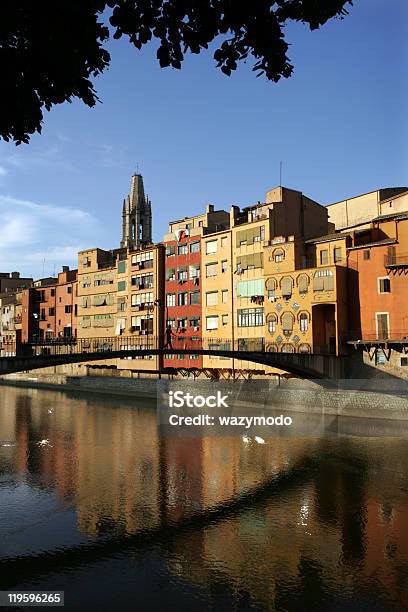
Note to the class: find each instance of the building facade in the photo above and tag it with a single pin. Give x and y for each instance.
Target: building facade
(183, 303)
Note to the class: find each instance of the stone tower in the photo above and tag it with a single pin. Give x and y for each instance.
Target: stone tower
(136, 216)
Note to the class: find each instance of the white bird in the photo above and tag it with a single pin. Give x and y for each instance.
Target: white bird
(43, 443)
(259, 440)
(7, 444)
(246, 439)
(50, 412)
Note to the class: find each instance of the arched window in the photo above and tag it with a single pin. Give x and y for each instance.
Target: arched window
(271, 288)
(303, 322)
(278, 255)
(271, 320)
(286, 287)
(304, 348)
(303, 283)
(288, 348)
(287, 321)
(272, 348)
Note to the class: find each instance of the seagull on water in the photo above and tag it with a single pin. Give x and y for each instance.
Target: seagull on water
(246, 439)
(259, 440)
(43, 443)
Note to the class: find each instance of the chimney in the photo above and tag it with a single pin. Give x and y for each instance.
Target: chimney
(234, 212)
(15, 275)
(209, 208)
(65, 268)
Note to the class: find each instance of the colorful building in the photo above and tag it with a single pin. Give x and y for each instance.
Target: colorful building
(183, 306)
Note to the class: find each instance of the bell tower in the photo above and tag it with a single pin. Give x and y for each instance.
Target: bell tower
(136, 216)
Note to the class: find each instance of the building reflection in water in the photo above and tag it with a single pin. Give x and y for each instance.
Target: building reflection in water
(344, 524)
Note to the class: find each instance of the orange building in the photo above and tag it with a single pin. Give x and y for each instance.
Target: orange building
(49, 308)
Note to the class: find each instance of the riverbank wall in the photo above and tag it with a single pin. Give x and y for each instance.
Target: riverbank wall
(363, 398)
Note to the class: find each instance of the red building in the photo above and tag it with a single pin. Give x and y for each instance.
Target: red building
(49, 308)
(183, 301)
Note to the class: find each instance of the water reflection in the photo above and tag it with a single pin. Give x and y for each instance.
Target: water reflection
(293, 524)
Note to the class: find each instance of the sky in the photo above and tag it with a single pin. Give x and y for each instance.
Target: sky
(339, 125)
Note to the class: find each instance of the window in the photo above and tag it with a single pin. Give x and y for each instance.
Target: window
(272, 320)
(182, 249)
(68, 309)
(211, 298)
(224, 294)
(171, 299)
(53, 291)
(211, 270)
(194, 247)
(287, 320)
(250, 317)
(194, 271)
(366, 255)
(250, 288)
(286, 287)
(51, 312)
(170, 250)
(224, 242)
(121, 304)
(194, 298)
(182, 299)
(211, 247)
(224, 320)
(303, 283)
(121, 285)
(195, 322)
(171, 323)
(324, 257)
(271, 285)
(170, 274)
(138, 299)
(224, 266)
(182, 274)
(212, 322)
(69, 289)
(85, 262)
(337, 254)
(278, 255)
(122, 267)
(384, 285)
(303, 322)
(323, 280)
(383, 325)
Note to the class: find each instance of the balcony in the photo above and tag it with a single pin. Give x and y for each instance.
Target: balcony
(392, 261)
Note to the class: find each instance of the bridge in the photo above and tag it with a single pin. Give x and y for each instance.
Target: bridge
(42, 354)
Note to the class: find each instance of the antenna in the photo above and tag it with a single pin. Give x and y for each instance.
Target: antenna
(43, 273)
(280, 174)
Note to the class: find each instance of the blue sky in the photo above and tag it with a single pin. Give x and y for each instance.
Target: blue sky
(339, 125)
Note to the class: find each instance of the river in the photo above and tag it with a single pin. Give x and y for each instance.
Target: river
(120, 517)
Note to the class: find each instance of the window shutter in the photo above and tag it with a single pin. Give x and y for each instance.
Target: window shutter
(328, 283)
(318, 284)
(303, 283)
(287, 322)
(286, 286)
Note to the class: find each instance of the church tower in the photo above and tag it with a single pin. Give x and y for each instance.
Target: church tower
(136, 216)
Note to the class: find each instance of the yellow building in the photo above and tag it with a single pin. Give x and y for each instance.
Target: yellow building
(140, 305)
(97, 291)
(306, 294)
(119, 294)
(217, 297)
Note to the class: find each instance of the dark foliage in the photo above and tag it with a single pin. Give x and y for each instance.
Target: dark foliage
(50, 50)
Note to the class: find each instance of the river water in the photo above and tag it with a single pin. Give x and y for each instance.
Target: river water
(122, 518)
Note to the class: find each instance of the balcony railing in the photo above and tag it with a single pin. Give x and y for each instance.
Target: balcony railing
(393, 335)
(396, 261)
